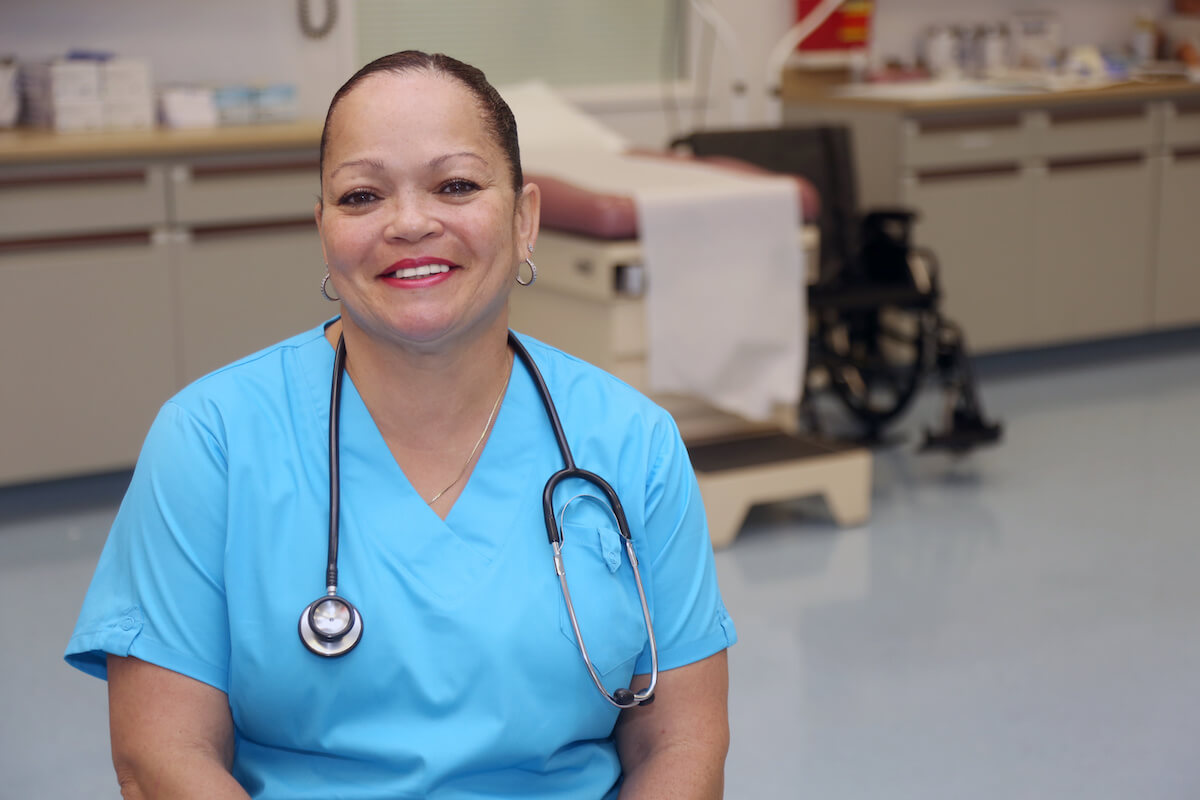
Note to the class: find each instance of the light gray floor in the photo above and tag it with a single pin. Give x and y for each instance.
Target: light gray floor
(1022, 624)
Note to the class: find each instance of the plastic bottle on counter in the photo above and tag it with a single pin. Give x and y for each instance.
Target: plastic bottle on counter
(995, 50)
(941, 52)
(1145, 37)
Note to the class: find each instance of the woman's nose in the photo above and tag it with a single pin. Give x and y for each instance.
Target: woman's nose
(411, 219)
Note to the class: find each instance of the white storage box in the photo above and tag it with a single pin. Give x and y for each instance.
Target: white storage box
(126, 79)
(187, 107)
(10, 95)
(62, 80)
(125, 114)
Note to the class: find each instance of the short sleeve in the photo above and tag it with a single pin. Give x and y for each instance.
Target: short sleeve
(158, 590)
(690, 620)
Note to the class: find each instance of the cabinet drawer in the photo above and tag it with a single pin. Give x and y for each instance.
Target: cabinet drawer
(947, 141)
(236, 193)
(1093, 234)
(1071, 132)
(1177, 278)
(244, 289)
(49, 202)
(86, 342)
(1182, 125)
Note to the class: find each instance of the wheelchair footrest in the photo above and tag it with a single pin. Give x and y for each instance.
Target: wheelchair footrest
(963, 436)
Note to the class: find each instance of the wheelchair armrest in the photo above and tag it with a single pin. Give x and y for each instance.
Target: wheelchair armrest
(891, 212)
(895, 222)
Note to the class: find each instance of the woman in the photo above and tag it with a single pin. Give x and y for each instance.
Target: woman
(465, 678)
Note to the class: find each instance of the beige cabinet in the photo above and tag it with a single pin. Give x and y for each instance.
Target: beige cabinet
(1041, 218)
(1092, 243)
(126, 279)
(1176, 294)
(1054, 221)
(246, 256)
(239, 291)
(960, 211)
(87, 354)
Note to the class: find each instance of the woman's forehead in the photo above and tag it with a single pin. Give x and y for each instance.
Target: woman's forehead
(413, 105)
(412, 95)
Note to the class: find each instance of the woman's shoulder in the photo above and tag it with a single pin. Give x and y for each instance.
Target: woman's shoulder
(576, 382)
(261, 378)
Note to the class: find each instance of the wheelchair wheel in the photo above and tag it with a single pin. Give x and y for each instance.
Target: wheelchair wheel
(875, 360)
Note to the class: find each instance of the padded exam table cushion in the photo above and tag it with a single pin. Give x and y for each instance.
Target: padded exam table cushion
(571, 208)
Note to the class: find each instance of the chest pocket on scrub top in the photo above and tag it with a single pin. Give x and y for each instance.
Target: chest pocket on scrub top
(602, 586)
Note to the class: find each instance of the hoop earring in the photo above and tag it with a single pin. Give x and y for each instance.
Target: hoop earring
(532, 272)
(324, 293)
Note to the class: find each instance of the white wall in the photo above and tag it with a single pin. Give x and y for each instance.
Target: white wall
(210, 42)
(259, 41)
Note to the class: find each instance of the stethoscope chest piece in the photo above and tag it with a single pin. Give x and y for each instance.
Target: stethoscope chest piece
(330, 626)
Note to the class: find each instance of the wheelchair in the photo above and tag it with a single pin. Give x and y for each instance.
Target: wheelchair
(876, 334)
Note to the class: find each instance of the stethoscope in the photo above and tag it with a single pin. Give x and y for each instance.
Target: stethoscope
(331, 626)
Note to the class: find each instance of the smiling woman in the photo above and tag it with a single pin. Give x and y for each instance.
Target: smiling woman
(432, 516)
(407, 187)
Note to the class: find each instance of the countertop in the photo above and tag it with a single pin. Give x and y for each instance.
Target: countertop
(27, 146)
(800, 87)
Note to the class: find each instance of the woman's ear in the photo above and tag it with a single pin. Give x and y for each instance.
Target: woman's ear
(529, 216)
(317, 216)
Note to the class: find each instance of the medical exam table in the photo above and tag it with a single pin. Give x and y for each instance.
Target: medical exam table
(589, 300)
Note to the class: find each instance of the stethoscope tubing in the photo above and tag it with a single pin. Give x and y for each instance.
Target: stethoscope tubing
(335, 470)
(622, 698)
(328, 645)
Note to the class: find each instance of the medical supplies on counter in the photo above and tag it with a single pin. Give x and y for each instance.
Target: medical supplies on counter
(87, 91)
(238, 104)
(10, 96)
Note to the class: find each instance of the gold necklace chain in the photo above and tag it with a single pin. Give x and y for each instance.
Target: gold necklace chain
(486, 427)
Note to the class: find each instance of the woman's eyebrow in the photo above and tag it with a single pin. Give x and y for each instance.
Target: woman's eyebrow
(370, 163)
(376, 165)
(437, 162)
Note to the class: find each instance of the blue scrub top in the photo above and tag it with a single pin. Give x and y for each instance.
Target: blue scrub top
(468, 682)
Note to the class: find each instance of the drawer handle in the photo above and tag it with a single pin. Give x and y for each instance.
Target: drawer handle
(221, 170)
(962, 173)
(1186, 108)
(973, 123)
(82, 240)
(1068, 164)
(217, 231)
(1067, 116)
(111, 176)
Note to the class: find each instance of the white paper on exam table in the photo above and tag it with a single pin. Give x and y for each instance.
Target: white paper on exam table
(724, 267)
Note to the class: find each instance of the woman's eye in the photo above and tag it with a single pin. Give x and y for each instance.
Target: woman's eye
(358, 197)
(459, 186)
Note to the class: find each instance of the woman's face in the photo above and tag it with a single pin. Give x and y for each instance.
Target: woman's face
(420, 226)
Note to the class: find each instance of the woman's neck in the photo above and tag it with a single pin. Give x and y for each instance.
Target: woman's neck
(427, 401)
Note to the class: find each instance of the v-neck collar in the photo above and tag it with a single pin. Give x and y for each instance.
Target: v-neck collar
(380, 504)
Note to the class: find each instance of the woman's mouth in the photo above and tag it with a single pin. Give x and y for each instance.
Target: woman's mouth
(418, 272)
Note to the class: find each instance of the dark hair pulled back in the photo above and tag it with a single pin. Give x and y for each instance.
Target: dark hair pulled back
(498, 117)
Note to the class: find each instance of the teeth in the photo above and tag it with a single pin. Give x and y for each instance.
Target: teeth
(421, 271)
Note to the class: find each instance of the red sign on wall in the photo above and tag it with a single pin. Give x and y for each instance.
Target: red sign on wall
(848, 29)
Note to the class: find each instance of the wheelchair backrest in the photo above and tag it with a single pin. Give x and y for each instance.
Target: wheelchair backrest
(822, 154)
